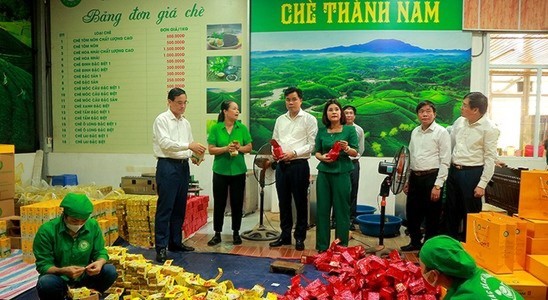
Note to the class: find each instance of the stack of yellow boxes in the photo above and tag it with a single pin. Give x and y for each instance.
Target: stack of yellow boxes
(138, 220)
(7, 180)
(5, 244)
(524, 263)
(34, 215)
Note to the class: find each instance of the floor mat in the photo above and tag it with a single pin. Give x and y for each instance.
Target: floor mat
(16, 276)
(243, 271)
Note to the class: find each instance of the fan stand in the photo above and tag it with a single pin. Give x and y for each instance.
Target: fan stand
(260, 232)
(380, 250)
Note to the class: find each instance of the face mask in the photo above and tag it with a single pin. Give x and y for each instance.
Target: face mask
(430, 277)
(74, 228)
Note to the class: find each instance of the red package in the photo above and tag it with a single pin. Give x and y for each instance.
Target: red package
(373, 296)
(333, 154)
(417, 285)
(277, 151)
(387, 292)
(414, 269)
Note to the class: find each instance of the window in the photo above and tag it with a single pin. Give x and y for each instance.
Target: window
(518, 92)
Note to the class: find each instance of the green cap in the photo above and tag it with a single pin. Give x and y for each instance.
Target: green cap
(445, 254)
(77, 206)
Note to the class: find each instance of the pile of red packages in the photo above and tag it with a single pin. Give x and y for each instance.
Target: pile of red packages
(353, 275)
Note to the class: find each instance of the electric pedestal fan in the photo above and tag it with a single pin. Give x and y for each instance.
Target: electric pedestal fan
(397, 171)
(263, 170)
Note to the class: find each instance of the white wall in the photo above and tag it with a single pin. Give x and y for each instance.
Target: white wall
(107, 169)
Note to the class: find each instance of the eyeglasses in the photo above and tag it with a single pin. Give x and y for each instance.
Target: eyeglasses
(181, 103)
(292, 99)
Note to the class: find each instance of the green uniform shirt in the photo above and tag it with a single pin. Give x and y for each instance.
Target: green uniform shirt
(481, 286)
(53, 245)
(224, 164)
(326, 140)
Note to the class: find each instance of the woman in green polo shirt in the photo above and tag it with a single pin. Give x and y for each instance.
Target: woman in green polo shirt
(228, 140)
(333, 183)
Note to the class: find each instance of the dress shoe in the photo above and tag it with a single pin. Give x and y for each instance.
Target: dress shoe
(411, 247)
(216, 239)
(161, 255)
(180, 248)
(299, 245)
(236, 239)
(279, 242)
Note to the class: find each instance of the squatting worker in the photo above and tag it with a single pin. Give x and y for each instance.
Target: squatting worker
(295, 131)
(474, 140)
(70, 251)
(173, 145)
(444, 262)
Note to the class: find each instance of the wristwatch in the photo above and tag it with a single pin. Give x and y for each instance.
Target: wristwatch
(437, 187)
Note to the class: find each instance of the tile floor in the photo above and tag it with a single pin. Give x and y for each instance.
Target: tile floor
(271, 221)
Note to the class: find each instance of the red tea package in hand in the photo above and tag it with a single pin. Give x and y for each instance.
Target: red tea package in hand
(333, 154)
(277, 151)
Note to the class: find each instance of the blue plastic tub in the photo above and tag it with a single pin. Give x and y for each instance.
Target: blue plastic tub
(65, 179)
(371, 225)
(364, 210)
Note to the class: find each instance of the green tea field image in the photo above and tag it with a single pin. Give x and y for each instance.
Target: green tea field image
(384, 78)
(17, 107)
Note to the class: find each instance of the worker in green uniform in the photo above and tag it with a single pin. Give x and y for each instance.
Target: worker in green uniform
(444, 262)
(333, 182)
(228, 140)
(70, 251)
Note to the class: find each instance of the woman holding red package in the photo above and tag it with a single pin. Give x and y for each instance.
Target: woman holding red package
(334, 145)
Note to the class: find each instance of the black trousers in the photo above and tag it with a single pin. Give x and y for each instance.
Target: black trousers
(355, 181)
(222, 186)
(420, 207)
(460, 200)
(292, 181)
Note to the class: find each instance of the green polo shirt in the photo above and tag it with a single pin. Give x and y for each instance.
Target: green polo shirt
(224, 164)
(53, 246)
(324, 142)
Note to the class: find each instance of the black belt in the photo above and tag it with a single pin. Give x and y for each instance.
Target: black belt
(461, 167)
(425, 172)
(295, 161)
(175, 160)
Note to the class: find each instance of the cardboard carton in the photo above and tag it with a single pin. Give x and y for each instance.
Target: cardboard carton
(139, 185)
(7, 174)
(525, 284)
(537, 246)
(7, 207)
(537, 265)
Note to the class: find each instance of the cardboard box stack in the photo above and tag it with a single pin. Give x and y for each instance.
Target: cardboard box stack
(140, 231)
(5, 244)
(524, 262)
(139, 185)
(136, 216)
(13, 230)
(7, 180)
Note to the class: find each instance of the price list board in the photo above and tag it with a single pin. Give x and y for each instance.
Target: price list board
(114, 63)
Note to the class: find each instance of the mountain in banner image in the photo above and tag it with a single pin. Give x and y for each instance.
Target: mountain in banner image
(384, 79)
